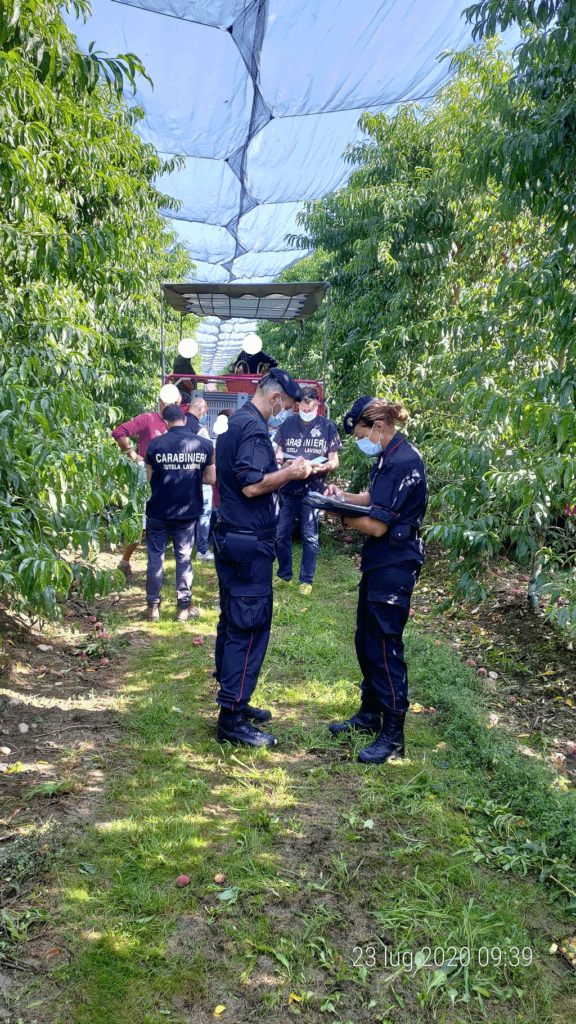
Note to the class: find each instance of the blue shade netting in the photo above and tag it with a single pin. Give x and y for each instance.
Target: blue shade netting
(262, 97)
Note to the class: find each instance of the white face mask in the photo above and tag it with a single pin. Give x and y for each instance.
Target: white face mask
(307, 416)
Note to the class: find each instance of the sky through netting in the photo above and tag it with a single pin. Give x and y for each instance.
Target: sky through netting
(262, 97)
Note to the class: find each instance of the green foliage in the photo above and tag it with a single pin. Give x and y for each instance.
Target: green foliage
(495, 836)
(453, 289)
(84, 246)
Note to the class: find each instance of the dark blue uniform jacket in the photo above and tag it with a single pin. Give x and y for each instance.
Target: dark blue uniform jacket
(294, 437)
(244, 455)
(178, 459)
(192, 422)
(399, 496)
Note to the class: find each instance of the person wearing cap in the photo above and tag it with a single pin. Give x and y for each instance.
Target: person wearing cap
(244, 549)
(392, 556)
(178, 463)
(313, 437)
(143, 427)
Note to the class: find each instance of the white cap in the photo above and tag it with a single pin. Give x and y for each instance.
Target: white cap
(170, 395)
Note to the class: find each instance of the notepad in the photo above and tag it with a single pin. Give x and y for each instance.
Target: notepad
(313, 462)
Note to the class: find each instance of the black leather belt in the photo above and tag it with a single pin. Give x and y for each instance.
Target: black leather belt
(223, 528)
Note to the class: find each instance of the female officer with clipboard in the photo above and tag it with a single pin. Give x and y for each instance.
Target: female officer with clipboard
(392, 556)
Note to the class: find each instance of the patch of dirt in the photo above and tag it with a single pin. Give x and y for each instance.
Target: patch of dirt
(52, 774)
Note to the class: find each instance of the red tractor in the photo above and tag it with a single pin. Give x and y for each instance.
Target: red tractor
(275, 302)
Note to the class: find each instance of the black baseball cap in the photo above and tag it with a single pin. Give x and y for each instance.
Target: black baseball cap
(287, 382)
(360, 405)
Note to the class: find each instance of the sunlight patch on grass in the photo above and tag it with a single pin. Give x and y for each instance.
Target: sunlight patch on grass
(307, 879)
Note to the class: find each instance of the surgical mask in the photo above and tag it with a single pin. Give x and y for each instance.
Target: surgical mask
(275, 421)
(368, 447)
(204, 418)
(307, 416)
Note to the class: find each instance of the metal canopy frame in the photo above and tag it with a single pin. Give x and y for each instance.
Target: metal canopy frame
(274, 302)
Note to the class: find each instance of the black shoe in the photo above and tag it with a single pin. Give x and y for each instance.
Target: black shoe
(362, 721)
(234, 727)
(389, 743)
(257, 714)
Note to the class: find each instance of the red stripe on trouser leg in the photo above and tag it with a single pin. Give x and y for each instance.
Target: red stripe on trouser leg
(244, 672)
(388, 673)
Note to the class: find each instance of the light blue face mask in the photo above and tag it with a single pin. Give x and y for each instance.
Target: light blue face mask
(369, 447)
(204, 418)
(307, 416)
(275, 421)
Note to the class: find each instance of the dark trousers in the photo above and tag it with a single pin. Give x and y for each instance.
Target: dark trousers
(157, 533)
(244, 626)
(292, 506)
(383, 608)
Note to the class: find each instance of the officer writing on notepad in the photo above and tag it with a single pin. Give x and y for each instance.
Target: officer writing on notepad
(392, 556)
(316, 439)
(244, 549)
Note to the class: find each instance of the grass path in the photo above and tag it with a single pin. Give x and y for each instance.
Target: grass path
(353, 895)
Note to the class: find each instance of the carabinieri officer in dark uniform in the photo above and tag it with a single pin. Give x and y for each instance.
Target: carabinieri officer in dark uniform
(311, 436)
(244, 550)
(178, 463)
(392, 556)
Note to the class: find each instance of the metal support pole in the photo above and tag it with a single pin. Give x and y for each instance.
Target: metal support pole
(181, 322)
(326, 332)
(301, 349)
(162, 335)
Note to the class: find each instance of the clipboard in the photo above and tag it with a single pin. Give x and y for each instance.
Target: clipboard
(324, 503)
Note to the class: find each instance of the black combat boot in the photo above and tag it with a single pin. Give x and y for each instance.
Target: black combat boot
(365, 720)
(234, 727)
(389, 742)
(257, 714)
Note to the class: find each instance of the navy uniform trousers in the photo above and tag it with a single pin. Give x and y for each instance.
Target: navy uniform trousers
(244, 625)
(383, 609)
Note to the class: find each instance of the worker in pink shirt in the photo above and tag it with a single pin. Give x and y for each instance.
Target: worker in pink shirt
(144, 427)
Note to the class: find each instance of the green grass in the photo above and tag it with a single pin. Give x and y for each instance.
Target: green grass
(323, 857)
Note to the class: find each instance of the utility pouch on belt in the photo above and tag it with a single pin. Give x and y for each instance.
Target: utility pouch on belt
(241, 549)
(399, 533)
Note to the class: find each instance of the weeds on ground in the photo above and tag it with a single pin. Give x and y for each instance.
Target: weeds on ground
(349, 894)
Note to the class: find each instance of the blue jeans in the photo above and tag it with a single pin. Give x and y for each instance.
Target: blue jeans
(292, 506)
(157, 533)
(203, 527)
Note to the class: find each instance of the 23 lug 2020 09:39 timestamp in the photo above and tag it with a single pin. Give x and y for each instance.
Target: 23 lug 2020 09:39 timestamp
(436, 957)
